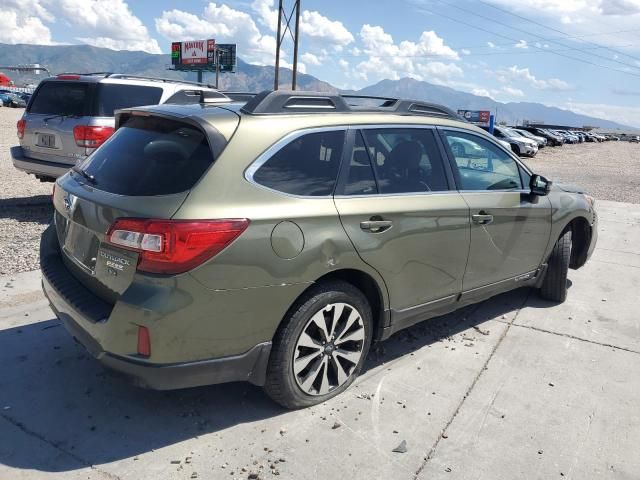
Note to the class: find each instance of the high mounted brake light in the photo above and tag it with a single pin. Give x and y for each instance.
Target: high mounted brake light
(68, 77)
(91, 136)
(174, 246)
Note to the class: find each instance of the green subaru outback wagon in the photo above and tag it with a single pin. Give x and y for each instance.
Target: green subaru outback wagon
(273, 240)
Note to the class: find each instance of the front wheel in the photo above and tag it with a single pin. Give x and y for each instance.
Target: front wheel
(554, 286)
(321, 346)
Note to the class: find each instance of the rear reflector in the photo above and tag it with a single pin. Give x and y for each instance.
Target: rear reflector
(144, 342)
(22, 123)
(91, 136)
(174, 246)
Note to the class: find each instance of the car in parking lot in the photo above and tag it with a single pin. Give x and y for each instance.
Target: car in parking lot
(72, 114)
(273, 241)
(519, 143)
(634, 139)
(541, 141)
(12, 100)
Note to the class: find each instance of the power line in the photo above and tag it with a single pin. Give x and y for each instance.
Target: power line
(552, 28)
(534, 34)
(457, 20)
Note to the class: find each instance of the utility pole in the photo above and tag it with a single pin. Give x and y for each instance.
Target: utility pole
(217, 66)
(284, 26)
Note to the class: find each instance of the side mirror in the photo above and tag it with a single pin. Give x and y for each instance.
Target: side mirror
(540, 185)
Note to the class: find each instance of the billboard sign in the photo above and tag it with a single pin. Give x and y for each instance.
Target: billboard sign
(193, 53)
(227, 56)
(475, 116)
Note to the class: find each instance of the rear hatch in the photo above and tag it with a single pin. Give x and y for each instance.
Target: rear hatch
(67, 119)
(144, 171)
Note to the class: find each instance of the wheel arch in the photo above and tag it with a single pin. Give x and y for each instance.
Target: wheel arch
(580, 241)
(368, 285)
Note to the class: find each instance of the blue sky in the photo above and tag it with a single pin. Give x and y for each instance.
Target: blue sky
(583, 55)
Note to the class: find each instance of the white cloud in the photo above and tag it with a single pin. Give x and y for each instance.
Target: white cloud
(310, 58)
(320, 28)
(107, 23)
(223, 23)
(482, 92)
(343, 64)
(624, 115)
(491, 45)
(525, 75)
(465, 51)
(513, 92)
(387, 59)
(314, 26)
(24, 22)
(521, 44)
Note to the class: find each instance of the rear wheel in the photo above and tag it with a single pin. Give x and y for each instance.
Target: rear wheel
(554, 286)
(321, 346)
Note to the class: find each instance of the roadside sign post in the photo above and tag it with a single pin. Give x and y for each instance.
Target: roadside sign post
(492, 121)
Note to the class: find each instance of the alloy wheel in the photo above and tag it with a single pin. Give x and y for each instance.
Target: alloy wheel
(328, 349)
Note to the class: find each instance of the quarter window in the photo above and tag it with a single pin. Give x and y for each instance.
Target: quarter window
(405, 160)
(360, 179)
(481, 164)
(307, 166)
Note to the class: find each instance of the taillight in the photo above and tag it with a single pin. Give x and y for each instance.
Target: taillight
(174, 246)
(91, 136)
(22, 123)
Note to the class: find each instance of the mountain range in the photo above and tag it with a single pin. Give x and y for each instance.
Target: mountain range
(254, 78)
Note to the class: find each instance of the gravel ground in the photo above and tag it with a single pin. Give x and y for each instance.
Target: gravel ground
(609, 171)
(25, 205)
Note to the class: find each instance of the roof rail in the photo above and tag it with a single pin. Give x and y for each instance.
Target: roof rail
(158, 79)
(289, 102)
(86, 74)
(239, 96)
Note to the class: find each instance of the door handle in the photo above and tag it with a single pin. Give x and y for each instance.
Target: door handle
(482, 219)
(376, 226)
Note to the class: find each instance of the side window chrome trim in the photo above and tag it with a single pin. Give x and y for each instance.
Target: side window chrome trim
(279, 145)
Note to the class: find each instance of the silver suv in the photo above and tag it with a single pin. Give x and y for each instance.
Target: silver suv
(71, 115)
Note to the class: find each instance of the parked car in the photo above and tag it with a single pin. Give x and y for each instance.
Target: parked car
(569, 137)
(274, 241)
(519, 144)
(72, 114)
(12, 100)
(541, 141)
(634, 139)
(553, 139)
(591, 138)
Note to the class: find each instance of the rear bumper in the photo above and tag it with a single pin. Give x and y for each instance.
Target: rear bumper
(42, 168)
(87, 318)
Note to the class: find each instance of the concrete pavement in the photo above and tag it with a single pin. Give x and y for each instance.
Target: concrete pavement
(512, 388)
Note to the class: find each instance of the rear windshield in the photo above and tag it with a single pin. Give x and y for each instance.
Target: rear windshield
(113, 96)
(60, 98)
(150, 156)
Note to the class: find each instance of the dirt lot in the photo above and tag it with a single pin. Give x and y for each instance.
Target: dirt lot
(609, 171)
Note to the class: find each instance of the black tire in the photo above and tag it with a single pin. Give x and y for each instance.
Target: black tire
(554, 286)
(281, 384)
(515, 149)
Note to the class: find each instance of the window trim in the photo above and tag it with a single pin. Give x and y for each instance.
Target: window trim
(283, 142)
(485, 136)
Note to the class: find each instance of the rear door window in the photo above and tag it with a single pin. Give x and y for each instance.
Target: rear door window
(150, 156)
(112, 96)
(308, 166)
(60, 98)
(406, 160)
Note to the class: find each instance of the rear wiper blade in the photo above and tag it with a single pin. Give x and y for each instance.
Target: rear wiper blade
(63, 116)
(83, 173)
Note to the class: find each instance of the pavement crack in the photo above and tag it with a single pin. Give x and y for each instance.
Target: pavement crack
(433, 448)
(27, 431)
(568, 335)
